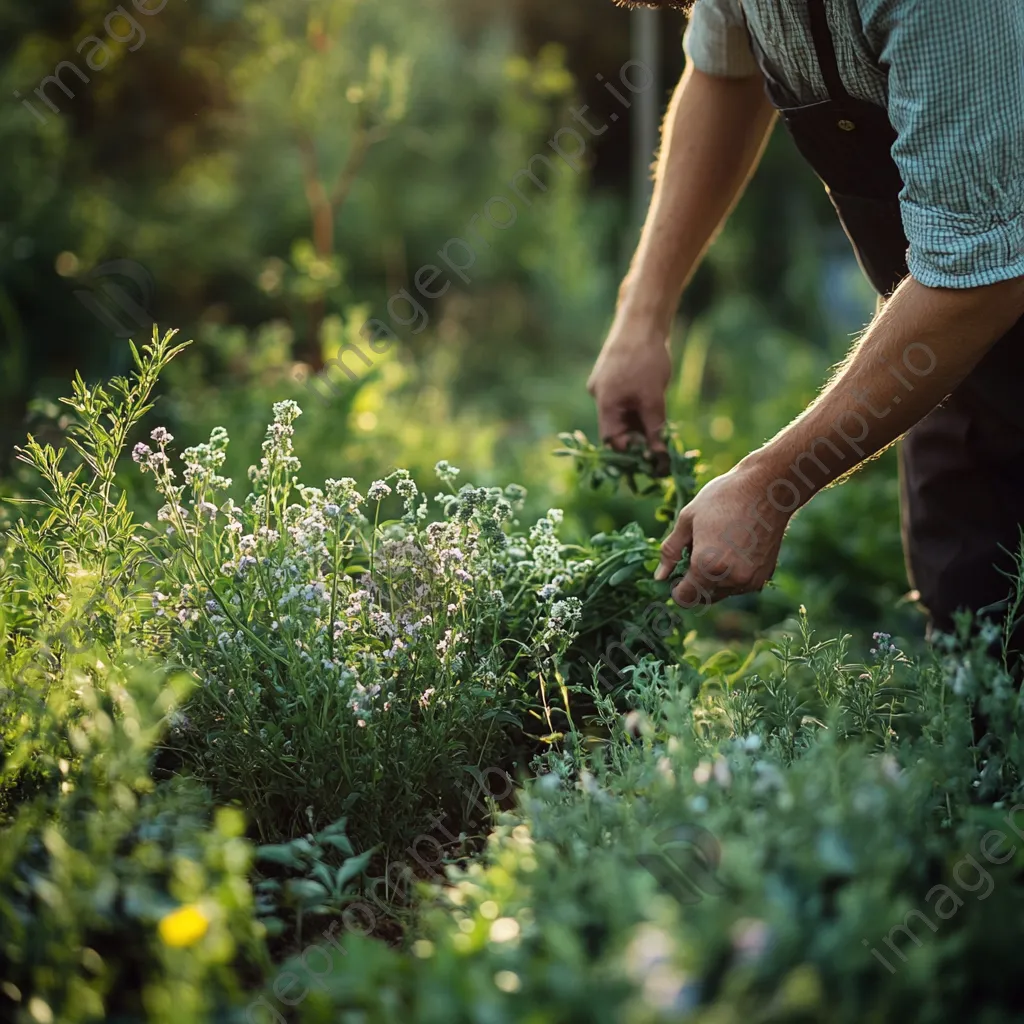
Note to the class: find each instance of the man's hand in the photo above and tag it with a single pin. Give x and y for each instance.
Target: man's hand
(734, 535)
(629, 382)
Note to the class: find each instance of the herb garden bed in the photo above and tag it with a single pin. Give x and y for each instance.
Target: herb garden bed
(244, 743)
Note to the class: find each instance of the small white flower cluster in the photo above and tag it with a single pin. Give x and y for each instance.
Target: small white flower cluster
(446, 472)
(155, 461)
(203, 462)
(565, 615)
(279, 460)
(549, 560)
(546, 548)
(343, 497)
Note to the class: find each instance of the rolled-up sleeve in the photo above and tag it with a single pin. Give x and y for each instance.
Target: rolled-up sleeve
(956, 99)
(716, 40)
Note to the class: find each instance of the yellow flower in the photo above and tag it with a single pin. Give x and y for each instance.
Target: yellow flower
(184, 926)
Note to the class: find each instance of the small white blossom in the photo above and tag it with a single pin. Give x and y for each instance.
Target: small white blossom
(446, 471)
(166, 513)
(286, 412)
(445, 644)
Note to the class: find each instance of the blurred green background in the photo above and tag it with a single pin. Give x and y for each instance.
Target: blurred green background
(267, 175)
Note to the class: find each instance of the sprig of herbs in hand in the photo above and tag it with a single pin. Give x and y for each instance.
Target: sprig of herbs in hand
(671, 474)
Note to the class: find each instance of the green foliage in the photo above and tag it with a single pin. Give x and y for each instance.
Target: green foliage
(317, 886)
(640, 468)
(721, 837)
(332, 643)
(97, 864)
(81, 557)
(809, 833)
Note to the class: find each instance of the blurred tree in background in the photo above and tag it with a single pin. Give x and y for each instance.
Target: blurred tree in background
(261, 160)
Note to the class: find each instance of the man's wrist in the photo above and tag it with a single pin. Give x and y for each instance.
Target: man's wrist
(633, 334)
(648, 303)
(780, 480)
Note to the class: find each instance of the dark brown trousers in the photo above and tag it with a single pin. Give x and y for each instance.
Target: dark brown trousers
(962, 489)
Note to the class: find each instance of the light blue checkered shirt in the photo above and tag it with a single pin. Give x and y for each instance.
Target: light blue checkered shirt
(950, 73)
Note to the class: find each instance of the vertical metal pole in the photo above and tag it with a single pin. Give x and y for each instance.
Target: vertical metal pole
(647, 107)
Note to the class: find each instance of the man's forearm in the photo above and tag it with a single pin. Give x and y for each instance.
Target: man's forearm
(918, 349)
(715, 132)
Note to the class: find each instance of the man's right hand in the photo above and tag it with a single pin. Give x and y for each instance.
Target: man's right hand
(629, 382)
